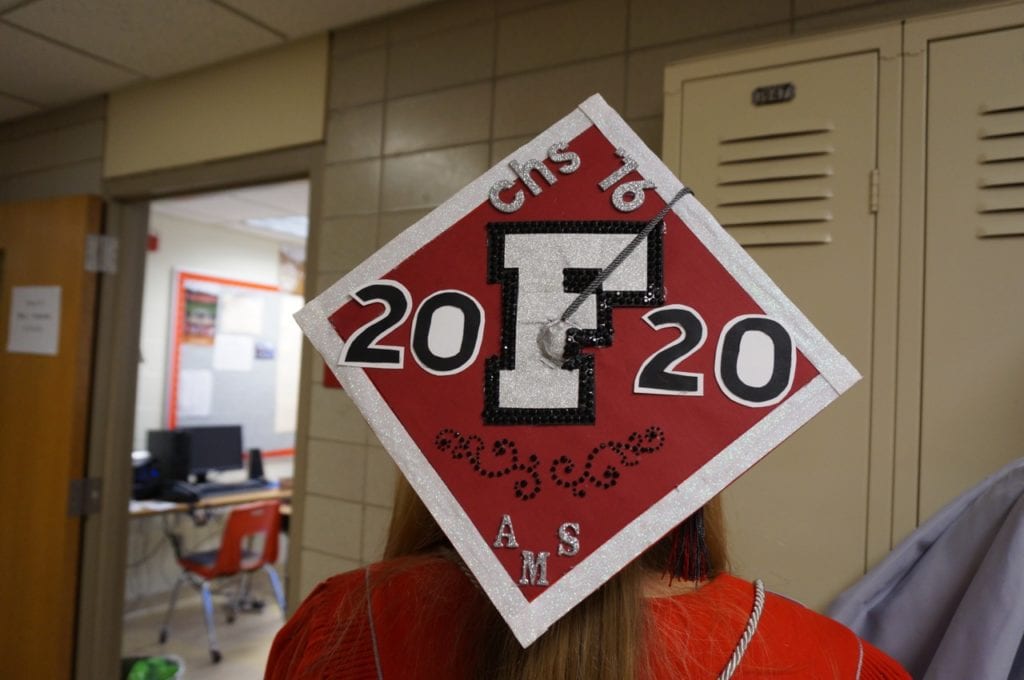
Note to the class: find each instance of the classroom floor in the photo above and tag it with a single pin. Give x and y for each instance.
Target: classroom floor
(244, 644)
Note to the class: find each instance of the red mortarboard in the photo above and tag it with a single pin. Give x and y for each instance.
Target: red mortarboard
(567, 359)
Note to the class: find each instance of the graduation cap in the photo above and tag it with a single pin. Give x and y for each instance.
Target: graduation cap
(567, 359)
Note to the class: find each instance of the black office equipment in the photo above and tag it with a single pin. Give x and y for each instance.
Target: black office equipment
(206, 489)
(211, 448)
(255, 464)
(146, 480)
(179, 491)
(164, 447)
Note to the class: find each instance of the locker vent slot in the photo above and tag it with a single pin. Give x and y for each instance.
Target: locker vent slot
(774, 184)
(788, 128)
(1004, 107)
(1001, 170)
(786, 235)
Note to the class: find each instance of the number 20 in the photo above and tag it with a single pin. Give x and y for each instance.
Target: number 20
(428, 342)
(735, 355)
(740, 358)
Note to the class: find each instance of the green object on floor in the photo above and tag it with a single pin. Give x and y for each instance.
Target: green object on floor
(154, 668)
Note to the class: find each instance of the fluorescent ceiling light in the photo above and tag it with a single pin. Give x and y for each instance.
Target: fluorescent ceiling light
(293, 225)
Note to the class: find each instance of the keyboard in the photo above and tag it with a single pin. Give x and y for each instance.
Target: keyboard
(205, 489)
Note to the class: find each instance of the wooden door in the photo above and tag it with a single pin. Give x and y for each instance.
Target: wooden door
(44, 408)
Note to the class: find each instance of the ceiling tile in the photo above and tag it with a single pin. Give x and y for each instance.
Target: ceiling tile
(219, 208)
(232, 209)
(14, 108)
(313, 16)
(291, 198)
(42, 72)
(153, 37)
(181, 209)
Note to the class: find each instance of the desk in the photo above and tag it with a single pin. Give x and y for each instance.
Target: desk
(151, 508)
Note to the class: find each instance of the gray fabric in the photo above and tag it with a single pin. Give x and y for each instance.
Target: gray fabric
(948, 602)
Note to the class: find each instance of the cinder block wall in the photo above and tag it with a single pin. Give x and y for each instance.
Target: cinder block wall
(423, 102)
(57, 153)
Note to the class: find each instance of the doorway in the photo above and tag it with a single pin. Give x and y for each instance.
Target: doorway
(224, 271)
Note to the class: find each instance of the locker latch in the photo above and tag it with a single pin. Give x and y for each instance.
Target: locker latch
(873, 196)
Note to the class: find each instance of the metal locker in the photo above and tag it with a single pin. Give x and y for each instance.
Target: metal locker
(972, 404)
(783, 150)
(878, 176)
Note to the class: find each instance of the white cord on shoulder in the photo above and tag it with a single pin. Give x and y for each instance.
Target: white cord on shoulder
(748, 633)
(373, 630)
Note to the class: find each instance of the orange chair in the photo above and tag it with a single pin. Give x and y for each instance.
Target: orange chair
(235, 557)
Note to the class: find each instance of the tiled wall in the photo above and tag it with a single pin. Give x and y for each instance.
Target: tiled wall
(53, 154)
(423, 102)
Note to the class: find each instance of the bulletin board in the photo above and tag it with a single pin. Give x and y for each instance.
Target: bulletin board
(234, 359)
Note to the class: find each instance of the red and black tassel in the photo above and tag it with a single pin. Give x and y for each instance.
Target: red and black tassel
(689, 558)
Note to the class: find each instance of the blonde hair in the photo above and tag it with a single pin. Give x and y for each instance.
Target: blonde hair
(602, 638)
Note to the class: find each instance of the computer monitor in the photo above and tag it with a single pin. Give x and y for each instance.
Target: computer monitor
(211, 448)
(165, 448)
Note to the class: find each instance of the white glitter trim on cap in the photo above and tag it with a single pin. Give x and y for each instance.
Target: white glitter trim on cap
(528, 620)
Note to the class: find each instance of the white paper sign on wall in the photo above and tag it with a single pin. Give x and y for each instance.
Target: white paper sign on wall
(34, 326)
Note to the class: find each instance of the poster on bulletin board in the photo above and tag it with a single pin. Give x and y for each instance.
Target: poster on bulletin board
(235, 359)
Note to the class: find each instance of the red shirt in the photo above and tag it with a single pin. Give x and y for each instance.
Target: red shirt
(419, 608)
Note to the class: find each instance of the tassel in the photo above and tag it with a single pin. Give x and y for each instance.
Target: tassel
(689, 558)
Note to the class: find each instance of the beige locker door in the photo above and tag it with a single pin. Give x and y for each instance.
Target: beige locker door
(792, 182)
(972, 410)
